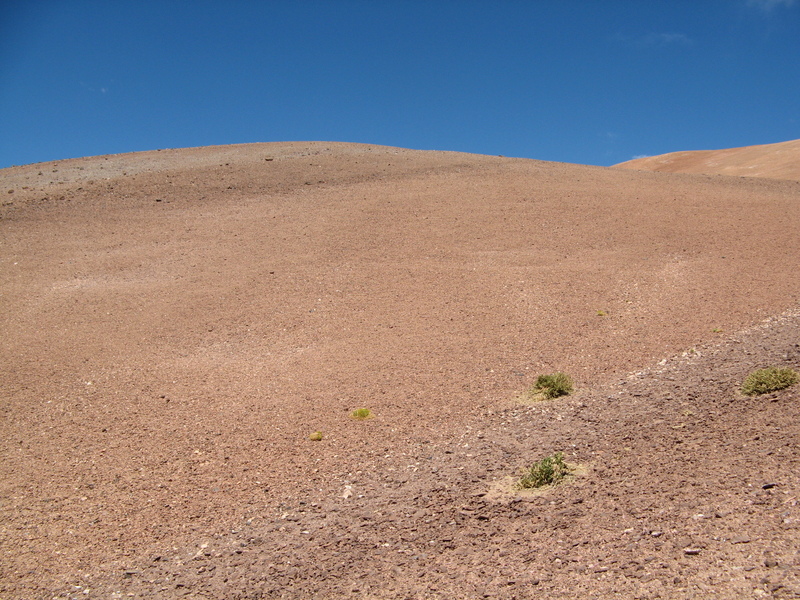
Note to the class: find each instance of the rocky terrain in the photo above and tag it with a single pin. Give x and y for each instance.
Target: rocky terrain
(176, 324)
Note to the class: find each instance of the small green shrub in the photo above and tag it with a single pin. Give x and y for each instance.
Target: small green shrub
(316, 436)
(548, 471)
(767, 380)
(552, 386)
(360, 414)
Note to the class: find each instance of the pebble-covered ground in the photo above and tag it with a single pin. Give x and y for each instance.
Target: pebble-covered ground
(176, 324)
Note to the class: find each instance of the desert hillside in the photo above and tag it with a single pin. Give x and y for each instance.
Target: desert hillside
(776, 161)
(176, 324)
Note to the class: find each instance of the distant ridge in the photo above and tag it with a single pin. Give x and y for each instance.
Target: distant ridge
(775, 161)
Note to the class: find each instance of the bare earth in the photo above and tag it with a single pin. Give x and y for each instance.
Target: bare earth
(175, 324)
(777, 161)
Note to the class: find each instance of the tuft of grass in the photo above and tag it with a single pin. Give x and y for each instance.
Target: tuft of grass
(360, 414)
(316, 436)
(552, 386)
(601, 313)
(763, 381)
(551, 470)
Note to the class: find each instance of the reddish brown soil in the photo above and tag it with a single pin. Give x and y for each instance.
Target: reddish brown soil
(777, 161)
(176, 323)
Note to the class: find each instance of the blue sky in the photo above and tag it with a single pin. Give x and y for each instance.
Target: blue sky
(591, 82)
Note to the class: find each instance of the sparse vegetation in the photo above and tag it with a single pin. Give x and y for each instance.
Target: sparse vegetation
(360, 414)
(551, 470)
(552, 386)
(601, 313)
(316, 436)
(768, 380)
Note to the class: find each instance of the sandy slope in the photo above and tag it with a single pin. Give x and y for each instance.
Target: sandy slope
(776, 161)
(176, 323)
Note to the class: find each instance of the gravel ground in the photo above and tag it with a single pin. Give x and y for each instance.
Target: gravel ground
(175, 324)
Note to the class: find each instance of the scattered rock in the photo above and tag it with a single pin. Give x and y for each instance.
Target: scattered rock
(683, 542)
(740, 540)
(238, 393)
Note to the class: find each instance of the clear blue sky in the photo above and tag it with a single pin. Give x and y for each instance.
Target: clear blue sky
(592, 82)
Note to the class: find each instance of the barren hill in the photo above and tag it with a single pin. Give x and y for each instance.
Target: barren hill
(776, 161)
(175, 324)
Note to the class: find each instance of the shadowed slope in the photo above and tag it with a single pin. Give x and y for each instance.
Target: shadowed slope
(777, 161)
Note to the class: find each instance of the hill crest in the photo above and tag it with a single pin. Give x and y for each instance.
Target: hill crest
(775, 161)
